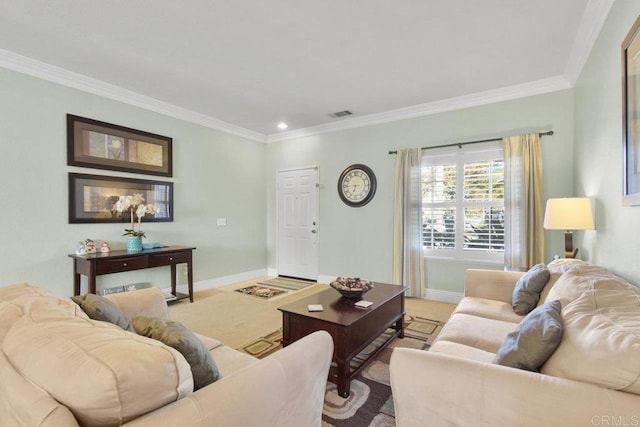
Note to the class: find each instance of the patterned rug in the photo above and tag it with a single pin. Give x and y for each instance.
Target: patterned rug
(260, 291)
(370, 403)
(287, 283)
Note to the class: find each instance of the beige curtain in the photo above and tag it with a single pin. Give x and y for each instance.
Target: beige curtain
(524, 209)
(408, 260)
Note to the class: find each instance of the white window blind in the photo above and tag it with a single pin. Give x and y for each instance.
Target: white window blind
(463, 205)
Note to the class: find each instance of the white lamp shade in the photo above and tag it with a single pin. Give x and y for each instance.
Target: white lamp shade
(571, 213)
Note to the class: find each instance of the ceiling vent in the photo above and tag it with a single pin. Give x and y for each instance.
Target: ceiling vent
(339, 114)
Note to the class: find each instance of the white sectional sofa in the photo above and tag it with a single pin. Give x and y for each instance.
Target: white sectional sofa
(592, 378)
(58, 367)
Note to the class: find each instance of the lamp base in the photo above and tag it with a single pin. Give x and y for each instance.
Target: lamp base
(569, 252)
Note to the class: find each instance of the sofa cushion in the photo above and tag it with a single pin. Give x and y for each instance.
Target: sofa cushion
(230, 361)
(103, 374)
(601, 344)
(562, 265)
(462, 351)
(176, 335)
(550, 284)
(488, 308)
(526, 293)
(100, 308)
(535, 339)
(9, 314)
(8, 293)
(149, 302)
(576, 281)
(478, 332)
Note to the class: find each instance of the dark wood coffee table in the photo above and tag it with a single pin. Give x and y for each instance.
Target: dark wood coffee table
(352, 328)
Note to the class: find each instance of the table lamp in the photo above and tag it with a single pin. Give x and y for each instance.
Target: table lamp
(570, 213)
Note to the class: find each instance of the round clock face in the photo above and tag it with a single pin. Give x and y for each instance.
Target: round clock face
(357, 185)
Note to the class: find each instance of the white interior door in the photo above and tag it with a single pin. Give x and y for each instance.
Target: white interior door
(297, 192)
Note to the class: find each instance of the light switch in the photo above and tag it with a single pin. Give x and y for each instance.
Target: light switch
(222, 221)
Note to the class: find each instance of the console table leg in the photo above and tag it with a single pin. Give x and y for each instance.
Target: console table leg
(173, 279)
(91, 278)
(76, 278)
(190, 279)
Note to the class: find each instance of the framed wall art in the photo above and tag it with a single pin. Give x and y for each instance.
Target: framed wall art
(92, 198)
(95, 144)
(631, 116)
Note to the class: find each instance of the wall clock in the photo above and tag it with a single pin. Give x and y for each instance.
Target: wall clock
(357, 185)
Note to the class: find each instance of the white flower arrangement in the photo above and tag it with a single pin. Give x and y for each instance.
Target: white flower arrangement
(135, 205)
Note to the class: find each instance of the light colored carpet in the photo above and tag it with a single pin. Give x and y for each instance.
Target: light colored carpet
(237, 319)
(232, 317)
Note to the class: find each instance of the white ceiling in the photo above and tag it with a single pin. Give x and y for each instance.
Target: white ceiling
(245, 65)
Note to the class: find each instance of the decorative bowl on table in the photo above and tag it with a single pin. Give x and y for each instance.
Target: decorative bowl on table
(351, 287)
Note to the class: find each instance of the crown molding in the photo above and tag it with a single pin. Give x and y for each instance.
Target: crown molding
(32, 67)
(473, 100)
(593, 18)
(25, 65)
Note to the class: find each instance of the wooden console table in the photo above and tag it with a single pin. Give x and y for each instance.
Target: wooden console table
(99, 263)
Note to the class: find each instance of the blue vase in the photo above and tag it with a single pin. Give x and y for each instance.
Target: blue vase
(134, 243)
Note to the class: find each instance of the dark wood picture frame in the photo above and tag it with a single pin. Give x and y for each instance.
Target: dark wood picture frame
(631, 116)
(100, 145)
(91, 198)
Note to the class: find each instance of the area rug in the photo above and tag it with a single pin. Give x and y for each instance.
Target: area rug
(370, 403)
(260, 291)
(287, 283)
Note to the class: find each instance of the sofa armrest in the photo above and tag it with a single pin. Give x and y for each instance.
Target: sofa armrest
(143, 302)
(436, 389)
(491, 284)
(285, 389)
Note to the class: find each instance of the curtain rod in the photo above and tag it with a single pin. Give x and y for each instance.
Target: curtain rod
(460, 144)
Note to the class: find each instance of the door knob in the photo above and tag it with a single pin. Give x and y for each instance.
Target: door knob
(313, 231)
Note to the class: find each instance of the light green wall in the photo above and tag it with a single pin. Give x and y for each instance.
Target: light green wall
(358, 241)
(598, 157)
(215, 175)
(221, 175)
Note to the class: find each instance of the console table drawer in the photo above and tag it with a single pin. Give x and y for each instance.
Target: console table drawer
(122, 264)
(157, 260)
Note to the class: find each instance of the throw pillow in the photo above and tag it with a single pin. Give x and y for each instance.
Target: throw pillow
(177, 336)
(101, 308)
(535, 339)
(526, 293)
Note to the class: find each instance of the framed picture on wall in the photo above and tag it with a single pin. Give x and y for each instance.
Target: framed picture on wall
(95, 144)
(631, 115)
(92, 198)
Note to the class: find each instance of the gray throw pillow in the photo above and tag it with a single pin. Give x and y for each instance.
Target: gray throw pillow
(534, 341)
(101, 308)
(176, 335)
(526, 293)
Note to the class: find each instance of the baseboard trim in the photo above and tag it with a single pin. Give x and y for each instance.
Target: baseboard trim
(443, 296)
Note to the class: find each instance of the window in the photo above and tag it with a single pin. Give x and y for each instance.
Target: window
(463, 205)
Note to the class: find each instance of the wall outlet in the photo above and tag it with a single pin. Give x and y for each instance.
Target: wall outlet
(221, 221)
